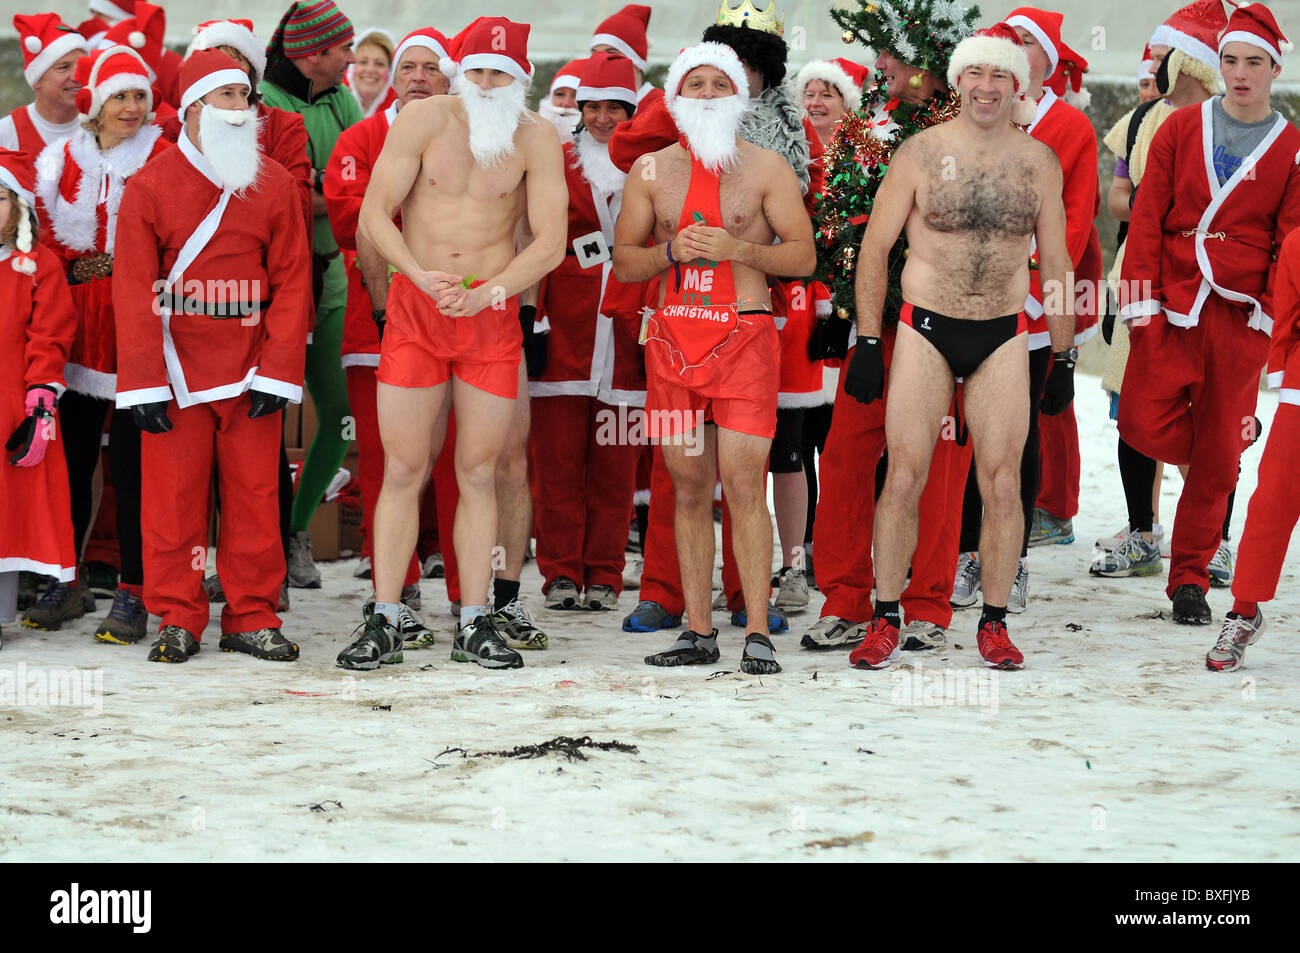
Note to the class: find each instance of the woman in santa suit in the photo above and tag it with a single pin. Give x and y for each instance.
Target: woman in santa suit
(585, 461)
(37, 327)
(79, 186)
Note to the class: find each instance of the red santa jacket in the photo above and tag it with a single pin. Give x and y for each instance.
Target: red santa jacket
(1283, 354)
(191, 240)
(78, 191)
(30, 139)
(1071, 136)
(592, 345)
(347, 173)
(1190, 237)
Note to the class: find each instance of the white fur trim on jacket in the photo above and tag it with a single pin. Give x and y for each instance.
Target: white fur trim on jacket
(717, 55)
(92, 383)
(830, 72)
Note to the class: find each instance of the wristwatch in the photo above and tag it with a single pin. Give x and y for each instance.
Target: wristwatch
(1070, 357)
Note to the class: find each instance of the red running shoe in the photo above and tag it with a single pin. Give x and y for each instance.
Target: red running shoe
(996, 649)
(879, 646)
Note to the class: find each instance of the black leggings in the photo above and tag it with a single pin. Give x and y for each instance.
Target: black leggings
(124, 459)
(1138, 474)
(81, 421)
(786, 455)
(972, 513)
(816, 426)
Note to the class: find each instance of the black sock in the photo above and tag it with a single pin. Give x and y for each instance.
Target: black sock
(889, 612)
(993, 614)
(1227, 518)
(504, 591)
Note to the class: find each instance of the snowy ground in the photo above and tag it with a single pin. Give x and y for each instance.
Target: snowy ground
(1115, 743)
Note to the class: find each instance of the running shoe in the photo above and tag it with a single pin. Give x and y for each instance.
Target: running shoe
(1111, 543)
(1221, 565)
(776, 620)
(691, 648)
(433, 567)
(363, 570)
(830, 631)
(1190, 607)
(792, 592)
(1133, 557)
(632, 570)
(267, 644)
(1047, 528)
(415, 634)
(481, 643)
(920, 636)
(514, 620)
(600, 599)
(1236, 634)
(173, 644)
(61, 602)
(380, 643)
(126, 622)
(101, 579)
(996, 650)
(1019, 596)
(563, 593)
(650, 616)
(303, 573)
(966, 585)
(879, 648)
(213, 589)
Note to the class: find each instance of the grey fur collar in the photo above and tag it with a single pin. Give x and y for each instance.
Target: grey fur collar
(775, 121)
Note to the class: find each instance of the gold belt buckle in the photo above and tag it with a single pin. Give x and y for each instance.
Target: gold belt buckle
(97, 265)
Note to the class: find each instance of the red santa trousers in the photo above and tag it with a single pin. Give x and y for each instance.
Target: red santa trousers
(846, 512)
(584, 468)
(1059, 464)
(1273, 513)
(370, 459)
(1189, 398)
(176, 484)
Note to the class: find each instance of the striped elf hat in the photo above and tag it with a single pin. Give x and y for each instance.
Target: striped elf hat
(308, 28)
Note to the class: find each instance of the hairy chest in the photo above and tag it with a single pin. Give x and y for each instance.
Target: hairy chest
(986, 201)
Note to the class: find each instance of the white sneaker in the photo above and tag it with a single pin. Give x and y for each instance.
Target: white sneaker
(600, 599)
(919, 635)
(432, 567)
(1019, 595)
(1112, 543)
(793, 591)
(1236, 634)
(632, 573)
(1221, 565)
(966, 587)
(363, 569)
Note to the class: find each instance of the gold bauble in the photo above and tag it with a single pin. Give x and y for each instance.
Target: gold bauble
(915, 81)
(842, 313)
(848, 36)
(848, 254)
(872, 7)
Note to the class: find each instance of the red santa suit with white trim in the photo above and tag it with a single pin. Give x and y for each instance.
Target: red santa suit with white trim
(581, 431)
(37, 327)
(44, 39)
(1197, 286)
(202, 254)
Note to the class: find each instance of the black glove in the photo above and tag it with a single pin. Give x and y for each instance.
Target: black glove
(1108, 324)
(260, 403)
(534, 344)
(865, 378)
(830, 337)
(152, 418)
(380, 316)
(1059, 391)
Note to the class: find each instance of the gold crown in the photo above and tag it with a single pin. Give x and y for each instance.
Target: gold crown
(747, 13)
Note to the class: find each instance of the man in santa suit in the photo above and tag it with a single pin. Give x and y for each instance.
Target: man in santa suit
(560, 106)
(624, 33)
(113, 12)
(1070, 135)
(585, 463)
(51, 49)
(1221, 193)
(214, 302)
(416, 75)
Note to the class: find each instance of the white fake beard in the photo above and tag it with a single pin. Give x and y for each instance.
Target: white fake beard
(493, 118)
(596, 166)
(710, 127)
(228, 140)
(563, 118)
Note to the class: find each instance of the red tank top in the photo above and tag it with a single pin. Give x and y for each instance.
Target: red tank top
(29, 139)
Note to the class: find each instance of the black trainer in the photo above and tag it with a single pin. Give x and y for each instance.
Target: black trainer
(380, 644)
(691, 648)
(267, 644)
(481, 643)
(173, 644)
(1190, 607)
(759, 657)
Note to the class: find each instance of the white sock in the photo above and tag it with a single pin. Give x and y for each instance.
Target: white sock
(469, 613)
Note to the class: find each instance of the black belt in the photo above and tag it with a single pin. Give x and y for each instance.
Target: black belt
(178, 304)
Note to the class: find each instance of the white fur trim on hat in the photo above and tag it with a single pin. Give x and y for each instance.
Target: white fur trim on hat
(831, 73)
(211, 81)
(118, 83)
(8, 181)
(990, 51)
(566, 81)
(1147, 70)
(1166, 35)
(717, 55)
(497, 61)
(108, 9)
(592, 94)
(53, 52)
(1254, 39)
(609, 39)
(233, 35)
(428, 42)
(1037, 33)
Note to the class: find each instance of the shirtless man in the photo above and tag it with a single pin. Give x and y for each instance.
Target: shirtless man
(463, 169)
(712, 350)
(971, 193)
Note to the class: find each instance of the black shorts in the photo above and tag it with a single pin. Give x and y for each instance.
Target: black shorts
(963, 343)
(787, 443)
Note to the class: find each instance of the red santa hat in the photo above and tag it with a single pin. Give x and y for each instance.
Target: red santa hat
(93, 28)
(608, 76)
(625, 31)
(426, 37)
(18, 175)
(845, 75)
(1067, 80)
(1044, 26)
(108, 72)
(569, 76)
(45, 40)
(1147, 68)
(143, 33)
(113, 10)
(718, 55)
(1253, 23)
(491, 43)
(999, 46)
(238, 35)
(1195, 30)
(206, 70)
